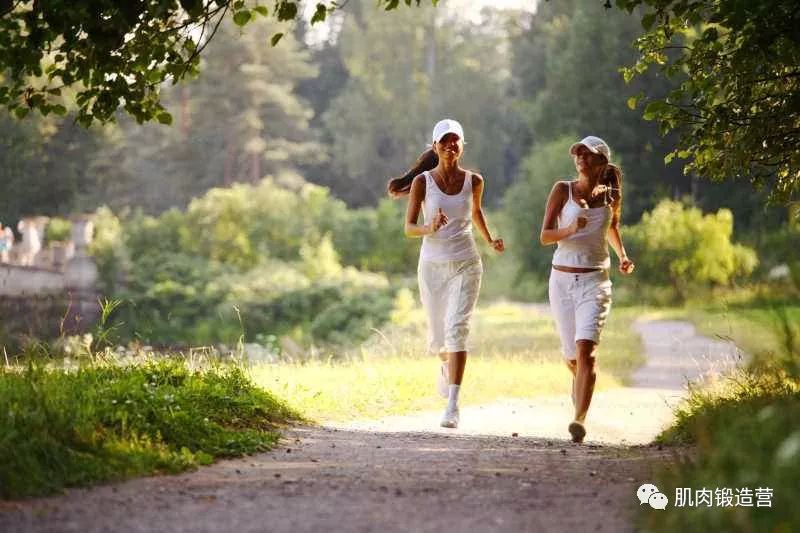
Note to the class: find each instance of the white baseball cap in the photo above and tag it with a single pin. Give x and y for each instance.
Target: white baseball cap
(445, 126)
(596, 145)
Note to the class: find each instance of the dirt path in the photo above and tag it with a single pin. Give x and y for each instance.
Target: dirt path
(405, 474)
(676, 355)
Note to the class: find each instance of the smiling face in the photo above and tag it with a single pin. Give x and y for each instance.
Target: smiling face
(587, 162)
(450, 147)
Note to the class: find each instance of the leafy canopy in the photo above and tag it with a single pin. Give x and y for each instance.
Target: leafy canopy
(737, 106)
(115, 54)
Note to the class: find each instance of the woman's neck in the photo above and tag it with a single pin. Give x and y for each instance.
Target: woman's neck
(448, 170)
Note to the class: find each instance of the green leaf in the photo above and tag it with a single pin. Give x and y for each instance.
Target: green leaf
(319, 14)
(287, 10)
(632, 102)
(669, 157)
(240, 18)
(627, 74)
(238, 4)
(261, 10)
(164, 118)
(59, 109)
(655, 109)
(193, 7)
(21, 112)
(154, 76)
(275, 39)
(648, 20)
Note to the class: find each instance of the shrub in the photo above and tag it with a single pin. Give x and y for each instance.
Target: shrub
(352, 319)
(746, 436)
(58, 230)
(678, 245)
(99, 423)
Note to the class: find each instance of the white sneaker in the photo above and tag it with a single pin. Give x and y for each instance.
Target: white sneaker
(450, 418)
(443, 382)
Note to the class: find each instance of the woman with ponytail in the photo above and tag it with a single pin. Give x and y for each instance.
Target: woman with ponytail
(582, 216)
(450, 268)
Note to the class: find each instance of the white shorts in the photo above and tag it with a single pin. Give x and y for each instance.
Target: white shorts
(449, 291)
(580, 304)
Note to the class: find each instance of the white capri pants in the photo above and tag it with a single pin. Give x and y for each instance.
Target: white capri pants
(449, 291)
(580, 303)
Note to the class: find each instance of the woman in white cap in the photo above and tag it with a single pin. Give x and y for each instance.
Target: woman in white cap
(582, 216)
(450, 268)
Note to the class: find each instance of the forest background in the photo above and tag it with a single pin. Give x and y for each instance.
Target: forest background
(262, 210)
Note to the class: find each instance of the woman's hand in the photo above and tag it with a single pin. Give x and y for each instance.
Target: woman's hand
(439, 220)
(626, 266)
(498, 245)
(578, 224)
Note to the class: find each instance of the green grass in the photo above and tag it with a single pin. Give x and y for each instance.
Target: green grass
(744, 431)
(515, 354)
(745, 435)
(102, 422)
(99, 423)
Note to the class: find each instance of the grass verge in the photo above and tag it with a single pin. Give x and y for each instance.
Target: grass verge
(104, 422)
(515, 354)
(744, 432)
(746, 437)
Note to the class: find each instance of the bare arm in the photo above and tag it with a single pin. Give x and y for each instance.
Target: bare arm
(550, 233)
(615, 239)
(477, 209)
(478, 218)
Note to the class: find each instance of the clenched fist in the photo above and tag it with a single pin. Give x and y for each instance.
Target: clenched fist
(439, 220)
(498, 245)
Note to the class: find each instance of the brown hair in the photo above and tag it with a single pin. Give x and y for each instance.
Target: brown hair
(401, 186)
(612, 178)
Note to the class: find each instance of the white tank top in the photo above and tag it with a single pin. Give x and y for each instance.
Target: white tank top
(588, 248)
(453, 241)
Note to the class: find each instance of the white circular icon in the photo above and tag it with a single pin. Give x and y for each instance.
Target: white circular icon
(649, 493)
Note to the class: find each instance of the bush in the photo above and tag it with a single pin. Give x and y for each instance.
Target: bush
(100, 423)
(745, 437)
(677, 245)
(313, 309)
(109, 250)
(58, 230)
(352, 320)
(246, 261)
(169, 295)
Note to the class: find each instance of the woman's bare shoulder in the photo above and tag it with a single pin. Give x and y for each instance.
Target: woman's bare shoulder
(561, 188)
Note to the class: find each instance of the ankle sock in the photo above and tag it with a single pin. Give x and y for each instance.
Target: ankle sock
(452, 396)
